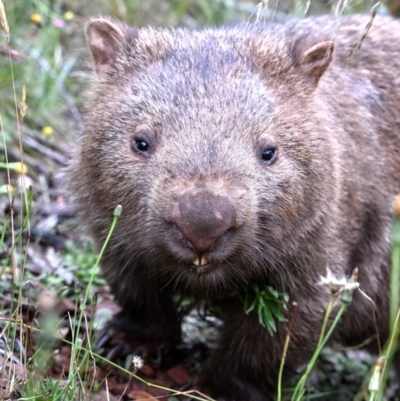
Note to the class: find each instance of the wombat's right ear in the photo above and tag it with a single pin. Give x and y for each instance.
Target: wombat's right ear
(314, 58)
(106, 39)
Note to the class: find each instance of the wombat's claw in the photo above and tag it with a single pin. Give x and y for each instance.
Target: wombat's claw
(116, 351)
(123, 336)
(107, 338)
(191, 388)
(103, 340)
(188, 386)
(160, 355)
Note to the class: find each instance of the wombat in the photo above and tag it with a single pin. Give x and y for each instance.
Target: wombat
(256, 154)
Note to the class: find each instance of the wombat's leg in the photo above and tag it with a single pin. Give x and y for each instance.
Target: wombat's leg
(146, 325)
(245, 366)
(236, 368)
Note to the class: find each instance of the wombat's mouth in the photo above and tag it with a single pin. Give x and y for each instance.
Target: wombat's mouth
(201, 260)
(202, 265)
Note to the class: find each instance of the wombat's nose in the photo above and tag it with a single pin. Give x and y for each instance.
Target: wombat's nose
(203, 217)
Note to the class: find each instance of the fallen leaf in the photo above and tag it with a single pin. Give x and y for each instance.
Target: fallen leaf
(179, 375)
(141, 395)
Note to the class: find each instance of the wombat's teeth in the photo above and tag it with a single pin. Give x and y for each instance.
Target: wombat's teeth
(200, 261)
(203, 261)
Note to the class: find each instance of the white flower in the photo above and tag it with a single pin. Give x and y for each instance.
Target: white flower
(137, 363)
(337, 285)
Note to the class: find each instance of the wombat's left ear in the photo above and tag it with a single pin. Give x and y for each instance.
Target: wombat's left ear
(106, 39)
(315, 58)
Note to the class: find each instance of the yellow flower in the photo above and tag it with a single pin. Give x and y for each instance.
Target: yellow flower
(47, 130)
(19, 168)
(7, 189)
(396, 205)
(36, 19)
(69, 15)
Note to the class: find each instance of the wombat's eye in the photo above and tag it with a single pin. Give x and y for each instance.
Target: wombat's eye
(140, 146)
(269, 155)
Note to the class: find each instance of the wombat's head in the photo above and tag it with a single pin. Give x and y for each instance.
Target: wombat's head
(212, 143)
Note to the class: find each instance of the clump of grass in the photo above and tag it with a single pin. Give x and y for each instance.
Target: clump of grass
(74, 386)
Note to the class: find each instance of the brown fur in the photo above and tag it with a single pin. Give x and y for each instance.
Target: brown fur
(208, 103)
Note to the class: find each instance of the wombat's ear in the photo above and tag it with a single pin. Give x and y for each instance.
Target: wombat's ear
(106, 39)
(314, 58)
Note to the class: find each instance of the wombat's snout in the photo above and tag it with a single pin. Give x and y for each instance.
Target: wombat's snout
(203, 215)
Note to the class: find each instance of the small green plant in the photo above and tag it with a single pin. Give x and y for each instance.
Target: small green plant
(267, 303)
(43, 389)
(85, 257)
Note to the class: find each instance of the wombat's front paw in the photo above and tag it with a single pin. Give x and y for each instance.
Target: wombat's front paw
(123, 336)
